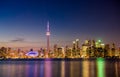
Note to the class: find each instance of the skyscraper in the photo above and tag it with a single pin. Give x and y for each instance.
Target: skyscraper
(77, 44)
(48, 42)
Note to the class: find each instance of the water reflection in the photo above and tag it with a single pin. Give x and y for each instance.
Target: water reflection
(92, 69)
(116, 69)
(63, 69)
(41, 68)
(82, 68)
(47, 71)
(27, 70)
(85, 68)
(67, 69)
(56, 68)
(75, 69)
(19, 71)
(100, 67)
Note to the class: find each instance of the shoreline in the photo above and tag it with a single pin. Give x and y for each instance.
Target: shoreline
(60, 59)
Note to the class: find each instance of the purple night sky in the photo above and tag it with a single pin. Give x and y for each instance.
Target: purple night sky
(23, 22)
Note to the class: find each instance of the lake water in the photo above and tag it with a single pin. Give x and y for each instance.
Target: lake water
(80, 68)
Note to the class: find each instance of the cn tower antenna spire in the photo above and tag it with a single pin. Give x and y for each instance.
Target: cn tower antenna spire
(48, 28)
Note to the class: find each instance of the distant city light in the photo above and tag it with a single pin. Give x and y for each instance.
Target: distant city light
(96, 43)
(73, 42)
(77, 39)
(99, 41)
(102, 44)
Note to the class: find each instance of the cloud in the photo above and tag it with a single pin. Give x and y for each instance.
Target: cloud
(18, 40)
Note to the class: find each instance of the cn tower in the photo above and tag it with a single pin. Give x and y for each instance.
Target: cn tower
(48, 42)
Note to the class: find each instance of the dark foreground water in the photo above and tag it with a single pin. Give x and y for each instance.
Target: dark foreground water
(80, 68)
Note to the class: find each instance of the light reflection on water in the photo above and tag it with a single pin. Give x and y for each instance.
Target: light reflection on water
(92, 68)
(85, 68)
(100, 67)
(48, 70)
(81, 68)
(62, 69)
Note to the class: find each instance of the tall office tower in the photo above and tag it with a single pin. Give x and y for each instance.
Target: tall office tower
(77, 44)
(74, 45)
(93, 43)
(113, 50)
(55, 50)
(48, 41)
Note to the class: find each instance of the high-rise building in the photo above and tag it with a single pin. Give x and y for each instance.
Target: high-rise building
(113, 50)
(55, 50)
(107, 49)
(48, 41)
(74, 46)
(77, 44)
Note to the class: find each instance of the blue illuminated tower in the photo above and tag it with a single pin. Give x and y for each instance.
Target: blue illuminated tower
(48, 42)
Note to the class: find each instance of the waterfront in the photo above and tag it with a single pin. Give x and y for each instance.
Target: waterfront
(61, 68)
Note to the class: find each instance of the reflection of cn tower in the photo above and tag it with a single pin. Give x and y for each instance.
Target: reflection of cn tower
(48, 34)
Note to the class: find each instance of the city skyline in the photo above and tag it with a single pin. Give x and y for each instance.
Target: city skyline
(23, 23)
